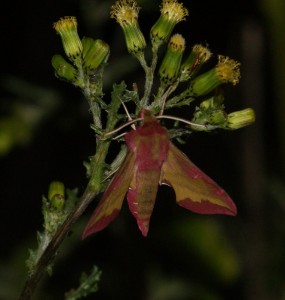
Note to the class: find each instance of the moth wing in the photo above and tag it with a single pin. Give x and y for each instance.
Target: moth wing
(194, 190)
(112, 199)
(141, 197)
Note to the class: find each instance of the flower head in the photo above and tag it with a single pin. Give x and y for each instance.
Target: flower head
(125, 11)
(226, 71)
(198, 56)
(170, 65)
(67, 29)
(126, 14)
(172, 13)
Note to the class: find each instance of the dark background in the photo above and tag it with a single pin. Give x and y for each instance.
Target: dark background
(45, 135)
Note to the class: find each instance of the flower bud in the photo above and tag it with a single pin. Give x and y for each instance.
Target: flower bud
(239, 119)
(126, 14)
(215, 102)
(217, 117)
(56, 194)
(172, 13)
(95, 52)
(198, 56)
(63, 69)
(170, 65)
(67, 29)
(227, 70)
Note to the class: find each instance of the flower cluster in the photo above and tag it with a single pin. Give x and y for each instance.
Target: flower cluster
(175, 69)
(87, 53)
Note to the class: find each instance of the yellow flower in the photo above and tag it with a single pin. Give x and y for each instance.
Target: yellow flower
(126, 14)
(67, 29)
(198, 56)
(172, 13)
(226, 71)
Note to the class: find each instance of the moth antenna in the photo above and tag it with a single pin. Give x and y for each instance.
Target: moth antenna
(166, 94)
(162, 109)
(182, 120)
(123, 126)
(128, 114)
(119, 136)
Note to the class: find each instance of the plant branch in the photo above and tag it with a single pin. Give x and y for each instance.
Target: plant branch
(92, 189)
(51, 250)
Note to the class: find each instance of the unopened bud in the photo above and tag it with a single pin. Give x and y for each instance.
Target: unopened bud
(239, 119)
(95, 52)
(56, 194)
(63, 69)
(170, 65)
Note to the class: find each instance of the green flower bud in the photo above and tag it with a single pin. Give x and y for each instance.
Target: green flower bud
(63, 69)
(198, 56)
(56, 195)
(172, 13)
(207, 104)
(126, 14)
(239, 119)
(227, 70)
(95, 52)
(212, 103)
(67, 29)
(170, 65)
(217, 117)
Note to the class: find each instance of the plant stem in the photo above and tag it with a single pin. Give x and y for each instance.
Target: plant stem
(50, 252)
(93, 188)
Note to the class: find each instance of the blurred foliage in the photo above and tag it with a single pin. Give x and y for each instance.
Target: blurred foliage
(88, 285)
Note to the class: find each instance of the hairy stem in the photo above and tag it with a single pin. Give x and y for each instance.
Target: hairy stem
(93, 188)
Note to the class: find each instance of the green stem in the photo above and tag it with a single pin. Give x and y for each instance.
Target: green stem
(183, 97)
(93, 188)
(149, 75)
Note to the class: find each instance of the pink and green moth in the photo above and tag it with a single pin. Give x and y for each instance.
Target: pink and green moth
(152, 160)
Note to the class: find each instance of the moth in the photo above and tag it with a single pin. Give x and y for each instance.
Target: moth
(152, 159)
